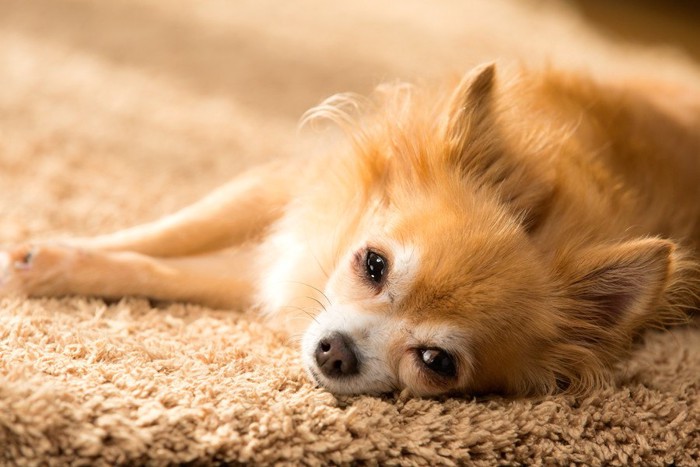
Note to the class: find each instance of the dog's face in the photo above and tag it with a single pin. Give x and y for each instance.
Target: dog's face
(433, 301)
(437, 281)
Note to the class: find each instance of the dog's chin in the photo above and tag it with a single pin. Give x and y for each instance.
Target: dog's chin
(349, 385)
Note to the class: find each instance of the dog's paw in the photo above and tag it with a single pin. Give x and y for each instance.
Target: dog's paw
(28, 269)
(15, 264)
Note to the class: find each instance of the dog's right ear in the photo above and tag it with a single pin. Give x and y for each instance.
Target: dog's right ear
(617, 286)
(469, 107)
(477, 148)
(610, 293)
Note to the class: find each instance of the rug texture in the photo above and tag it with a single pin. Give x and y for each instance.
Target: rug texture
(115, 113)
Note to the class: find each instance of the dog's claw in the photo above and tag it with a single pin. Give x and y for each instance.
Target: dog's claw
(15, 264)
(26, 261)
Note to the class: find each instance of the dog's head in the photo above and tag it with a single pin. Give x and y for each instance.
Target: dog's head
(436, 283)
(433, 302)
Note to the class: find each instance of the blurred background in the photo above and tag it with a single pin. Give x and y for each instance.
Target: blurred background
(117, 112)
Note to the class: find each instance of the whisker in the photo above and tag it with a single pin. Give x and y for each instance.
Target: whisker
(319, 264)
(295, 338)
(311, 250)
(303, 310)
(317, 301)
(314, 288)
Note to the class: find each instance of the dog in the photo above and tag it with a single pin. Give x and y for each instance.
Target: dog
(510, 234)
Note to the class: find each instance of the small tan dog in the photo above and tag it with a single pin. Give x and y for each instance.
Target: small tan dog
(510, 236)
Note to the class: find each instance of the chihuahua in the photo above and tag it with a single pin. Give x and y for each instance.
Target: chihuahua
(508, 234)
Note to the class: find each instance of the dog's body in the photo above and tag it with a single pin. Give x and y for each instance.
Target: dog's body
(511, 236)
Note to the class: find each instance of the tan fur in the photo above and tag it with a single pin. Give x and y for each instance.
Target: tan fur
(553, 219)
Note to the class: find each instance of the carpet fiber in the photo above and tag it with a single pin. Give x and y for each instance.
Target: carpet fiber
(114, 113)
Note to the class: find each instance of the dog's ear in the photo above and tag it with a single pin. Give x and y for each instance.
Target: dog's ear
(477, 147)
(618, 286)
(610, 293)
(469, 107)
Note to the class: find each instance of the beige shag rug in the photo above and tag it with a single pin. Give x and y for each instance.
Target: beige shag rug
(113, 113)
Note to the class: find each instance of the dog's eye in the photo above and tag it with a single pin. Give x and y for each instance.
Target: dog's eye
(438, 361)
(375, 266)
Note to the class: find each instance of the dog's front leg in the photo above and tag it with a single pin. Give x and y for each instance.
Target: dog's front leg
(238, 211)
(218, 279)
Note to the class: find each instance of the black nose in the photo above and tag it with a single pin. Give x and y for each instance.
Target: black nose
(335, 356)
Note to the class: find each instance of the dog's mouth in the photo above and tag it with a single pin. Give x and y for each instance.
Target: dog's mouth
(336, 383)
(369, 382)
